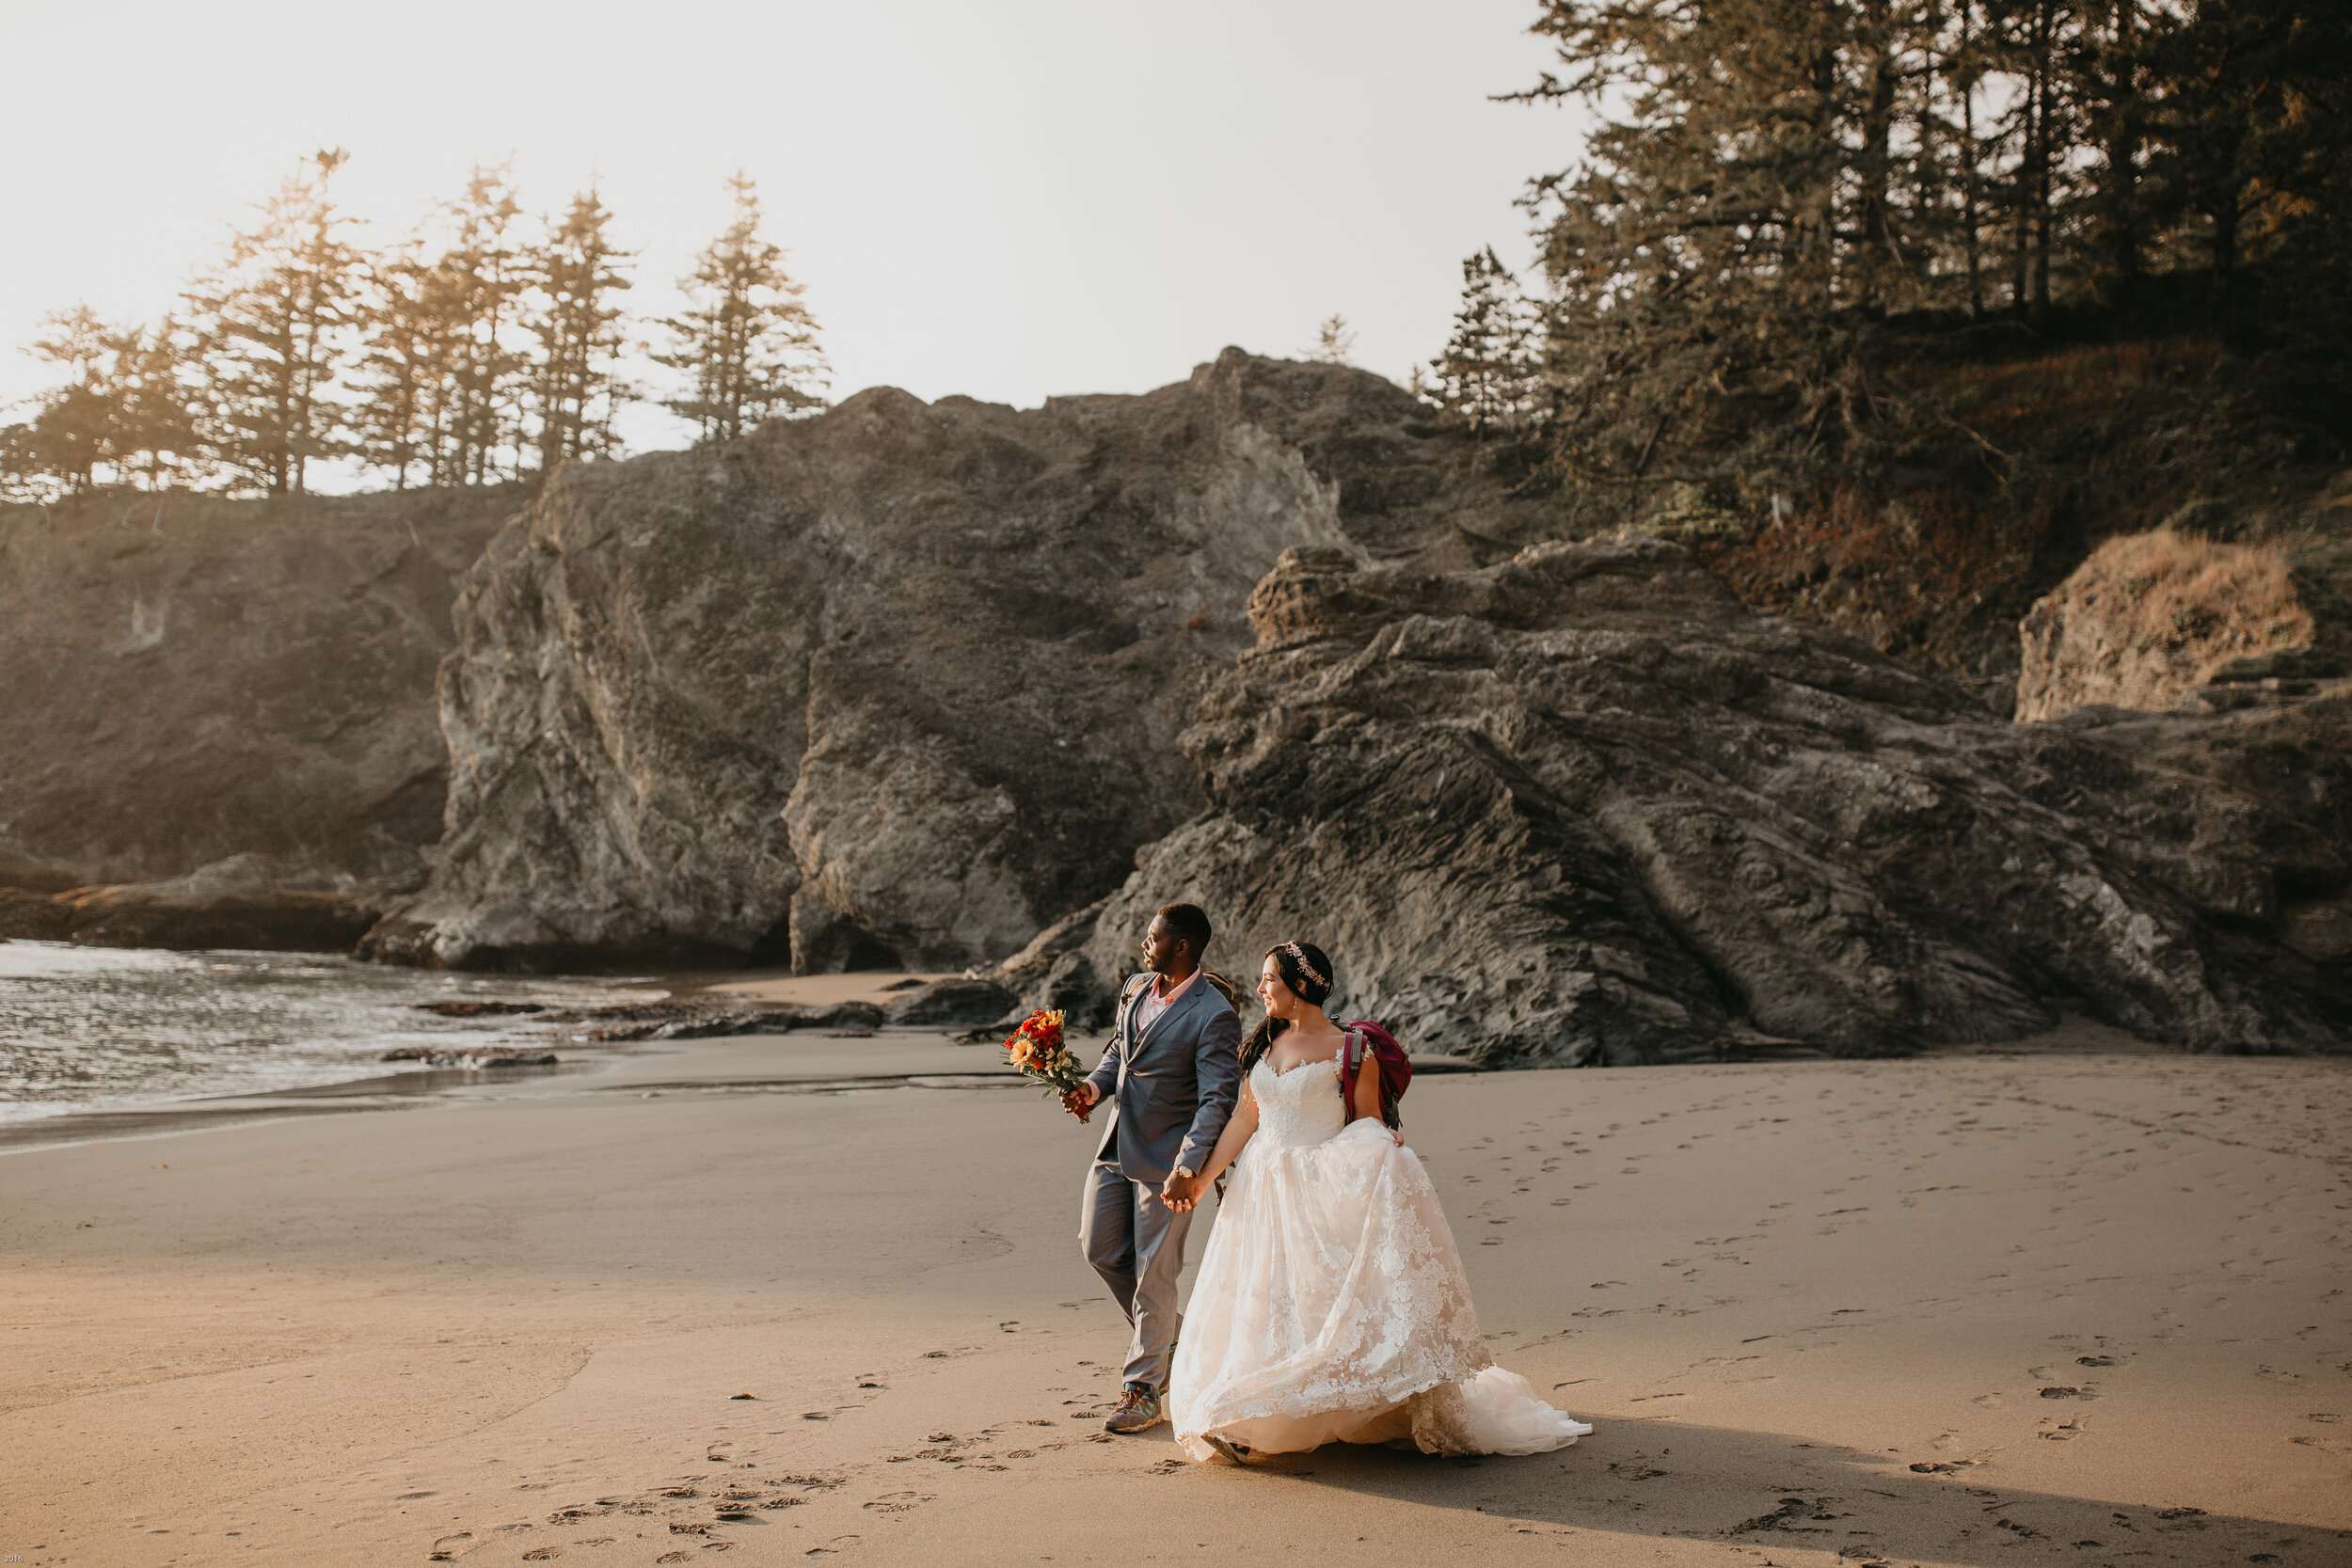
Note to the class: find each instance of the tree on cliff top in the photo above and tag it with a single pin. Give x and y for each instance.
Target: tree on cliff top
(404, 414)
(72, 432)
(576, 384)
(270, 324)
(491, 355)
(1783, 201)
(1334, 342)
(124, 409)
(1490, 377)
(746, 342)
(475, 290)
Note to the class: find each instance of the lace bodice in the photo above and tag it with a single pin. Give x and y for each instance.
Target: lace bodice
(1298, 1107)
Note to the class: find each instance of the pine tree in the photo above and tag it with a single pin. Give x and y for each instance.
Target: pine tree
(406, 366)
(271, 323)
(157, 414)
(1695, 257)
(75, 431)
(123, 416)
(1489, 378)
(747, 344)
(577, 387)
(474, 293)
(2256, 124)
(1334, 342)
(21, 476)
(1779, 196)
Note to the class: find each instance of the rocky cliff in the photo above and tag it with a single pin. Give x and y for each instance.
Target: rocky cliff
(899, 684)
(1585, 806)
(191, 680)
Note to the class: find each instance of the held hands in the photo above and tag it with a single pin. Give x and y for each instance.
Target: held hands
(1181, 1192)
(1078, 1101)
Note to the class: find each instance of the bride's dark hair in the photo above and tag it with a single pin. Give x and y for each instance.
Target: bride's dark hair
(1304, 986)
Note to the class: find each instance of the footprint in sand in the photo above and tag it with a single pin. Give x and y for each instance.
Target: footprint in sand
(839, 1543)
(543, 1554)
(898, 1502)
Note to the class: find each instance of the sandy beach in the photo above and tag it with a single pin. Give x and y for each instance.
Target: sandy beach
(2054, 1304)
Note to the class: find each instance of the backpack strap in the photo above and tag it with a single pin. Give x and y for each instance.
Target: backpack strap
(1136, 985)
(1347, 1076)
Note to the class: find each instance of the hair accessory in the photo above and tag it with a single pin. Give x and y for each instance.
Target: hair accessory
(1304, 967)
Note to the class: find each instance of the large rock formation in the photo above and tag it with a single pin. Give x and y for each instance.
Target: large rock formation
(1585, 806)
(191, 680)
(242, 902)
(900, 684)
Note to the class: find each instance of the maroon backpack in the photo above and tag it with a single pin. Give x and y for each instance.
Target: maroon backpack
(1396, 1069)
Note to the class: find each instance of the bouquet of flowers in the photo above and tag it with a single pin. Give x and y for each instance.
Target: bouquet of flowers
(1035, 1048)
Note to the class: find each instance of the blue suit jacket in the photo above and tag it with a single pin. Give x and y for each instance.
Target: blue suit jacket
(1172, 1087)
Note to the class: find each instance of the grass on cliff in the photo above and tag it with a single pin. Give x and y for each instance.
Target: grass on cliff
(2184, 592)
(2013, 469)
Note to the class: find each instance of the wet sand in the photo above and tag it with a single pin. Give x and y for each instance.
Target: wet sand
(2042, 1307)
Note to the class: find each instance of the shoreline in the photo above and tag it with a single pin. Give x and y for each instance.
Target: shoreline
(425, 1087)
(379, 1083)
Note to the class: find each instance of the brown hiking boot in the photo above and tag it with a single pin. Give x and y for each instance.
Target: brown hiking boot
(1138, 1411)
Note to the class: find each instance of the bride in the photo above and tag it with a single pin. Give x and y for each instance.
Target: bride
(1331, 1305)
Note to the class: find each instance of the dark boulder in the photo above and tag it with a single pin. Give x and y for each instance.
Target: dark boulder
(234, 903)
(946, 1003)
(703, 1017)
(34, 916)
(1053, 974)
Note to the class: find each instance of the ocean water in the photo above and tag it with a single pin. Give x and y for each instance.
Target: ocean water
(110, 1028)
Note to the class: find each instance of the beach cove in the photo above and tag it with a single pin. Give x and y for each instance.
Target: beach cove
(2067, 1301)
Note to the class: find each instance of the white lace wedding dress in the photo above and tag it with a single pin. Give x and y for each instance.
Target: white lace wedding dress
(1331, 1305)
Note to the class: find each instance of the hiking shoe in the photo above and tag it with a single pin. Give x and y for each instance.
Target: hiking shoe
(1138, 1411)
(1237, 1452)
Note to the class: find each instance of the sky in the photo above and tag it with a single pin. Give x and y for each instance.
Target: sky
(1010, 199)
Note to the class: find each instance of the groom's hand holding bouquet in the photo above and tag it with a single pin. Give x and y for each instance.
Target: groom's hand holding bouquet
(1036, 1050)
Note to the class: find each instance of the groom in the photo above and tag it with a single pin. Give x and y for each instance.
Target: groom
(1173, 1066)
